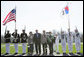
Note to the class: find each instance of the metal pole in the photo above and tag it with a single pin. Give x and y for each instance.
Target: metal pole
(68, 17)
(15, 25)
(25, 28)
(15, 19)
(68, 22)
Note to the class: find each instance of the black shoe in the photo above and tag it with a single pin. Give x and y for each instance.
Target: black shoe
(15, 53)
(78, 52)
(64, 54)
(23, 53)
(6, 53)
(71, 54)
(58, 53)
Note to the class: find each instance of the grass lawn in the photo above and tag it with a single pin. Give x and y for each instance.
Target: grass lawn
(12, 49)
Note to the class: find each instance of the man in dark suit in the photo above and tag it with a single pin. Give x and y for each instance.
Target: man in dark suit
(37, 41)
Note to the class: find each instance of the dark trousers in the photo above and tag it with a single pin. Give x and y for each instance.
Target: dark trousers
(51, 48)
(38, 48)
(44, 48)
(30, 49)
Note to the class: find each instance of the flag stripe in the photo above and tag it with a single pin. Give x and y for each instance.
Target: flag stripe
(9, 21)
(13, 16)
(10, 17)
(6, 17)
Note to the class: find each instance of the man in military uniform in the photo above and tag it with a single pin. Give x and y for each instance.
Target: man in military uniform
(70, 41)
(15, 41)
(7, 40)
(77, 41)
(63, 42)
(54, 45)
(50, 43)
(24, 41)
(44, 42)
(57, 42)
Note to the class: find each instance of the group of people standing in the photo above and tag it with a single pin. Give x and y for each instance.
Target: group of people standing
(45, 40)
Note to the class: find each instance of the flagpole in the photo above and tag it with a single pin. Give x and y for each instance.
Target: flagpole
(68, 22)
(15, 19)
(25, 28)
(15, 25)
(61, 29)
(68, 18)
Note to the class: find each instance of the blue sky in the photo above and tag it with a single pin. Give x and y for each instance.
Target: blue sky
(42, 15)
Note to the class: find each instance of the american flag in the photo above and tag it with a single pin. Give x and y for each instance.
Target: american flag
(10, 17)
